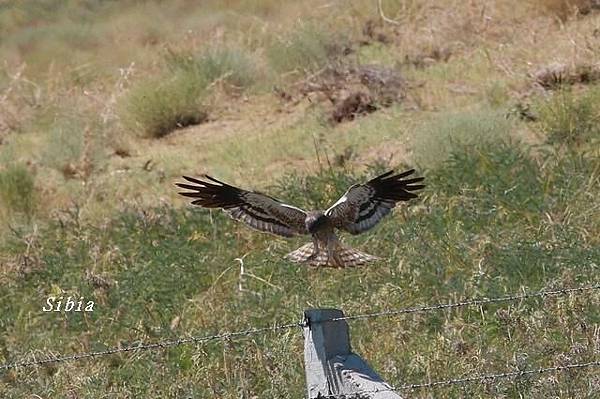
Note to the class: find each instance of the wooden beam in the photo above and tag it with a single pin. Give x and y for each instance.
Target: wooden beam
(332, 370)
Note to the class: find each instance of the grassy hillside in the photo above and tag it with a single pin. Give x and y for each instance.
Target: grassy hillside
(105, 104)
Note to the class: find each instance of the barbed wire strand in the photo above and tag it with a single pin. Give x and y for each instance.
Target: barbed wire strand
(467, 380)
(470, 302)
(150, 346)
(260, 330)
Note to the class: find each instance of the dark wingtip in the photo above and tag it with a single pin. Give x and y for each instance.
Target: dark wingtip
(188, 194)
(386, 174)
(193, 180)
(415, 187)
(216, 181)
(405, 173)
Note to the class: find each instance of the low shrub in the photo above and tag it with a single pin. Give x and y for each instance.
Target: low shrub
(160, 105)
(435, 141)
(17, 190)
(568, 118)
(306, 49)
(176, 98)
(233, 65)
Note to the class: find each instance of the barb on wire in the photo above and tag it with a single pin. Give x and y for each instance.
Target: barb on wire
(150, 346)
(476, 378)
(469, 302)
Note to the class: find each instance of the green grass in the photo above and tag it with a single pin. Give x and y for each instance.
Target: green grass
(231, 65)
(480, 229)
(155, 107)
(434, 141)
(177, 98)
(307, 48)
(571, 118)
(17, 190)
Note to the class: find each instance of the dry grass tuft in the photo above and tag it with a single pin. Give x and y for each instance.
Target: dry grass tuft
(565, 9)
(556, 75)
(571, 118)
(19, 97)
(353, 90)
(307, 48)
(355, 104)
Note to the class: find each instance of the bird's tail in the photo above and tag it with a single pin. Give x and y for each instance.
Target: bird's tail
(341, 256)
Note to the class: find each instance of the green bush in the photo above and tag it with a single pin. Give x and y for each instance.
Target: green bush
(64, 142)
(233, 65)
(306, 49)
(17, 190)
(158, 106)
(176, 99)
(434, 142)
(569, 118)
(494, 179)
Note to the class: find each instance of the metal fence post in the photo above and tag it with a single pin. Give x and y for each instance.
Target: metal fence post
(332, 370)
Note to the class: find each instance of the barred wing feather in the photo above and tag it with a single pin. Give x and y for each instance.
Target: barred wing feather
(257, 210)
(364, 205)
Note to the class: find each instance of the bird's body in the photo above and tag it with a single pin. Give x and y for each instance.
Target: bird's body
(325, 248)
(358, 210)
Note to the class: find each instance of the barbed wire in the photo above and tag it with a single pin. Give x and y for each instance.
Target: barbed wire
(467, 380)
(260, 330)
(507, 374)
(150, 346)
(469, 302)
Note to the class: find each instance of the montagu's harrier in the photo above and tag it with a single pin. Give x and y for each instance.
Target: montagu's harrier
(358, 210)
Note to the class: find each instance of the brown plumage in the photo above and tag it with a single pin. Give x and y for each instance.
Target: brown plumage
(358, 210)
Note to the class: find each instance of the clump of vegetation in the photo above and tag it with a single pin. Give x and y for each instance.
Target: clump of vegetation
(64, 143)
(569, 118)
(558, 75)
(306, 49)
(160, 105)
(563, 9)
(229, 64)
(17, 190)
(434, 142)
(355, 90)
(177, 98)
(497, 95)
(503, 182)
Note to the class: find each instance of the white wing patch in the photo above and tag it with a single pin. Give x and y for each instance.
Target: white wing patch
(340, 201)
(364, 205)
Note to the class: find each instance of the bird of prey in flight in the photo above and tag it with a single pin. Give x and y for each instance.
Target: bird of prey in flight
(358, 210)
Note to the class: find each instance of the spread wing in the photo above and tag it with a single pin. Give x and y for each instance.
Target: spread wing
(257, 210)
(364, 205)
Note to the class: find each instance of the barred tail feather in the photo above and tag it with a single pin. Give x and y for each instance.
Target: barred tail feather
(302, 254)
(350, 257)
(341, 256)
